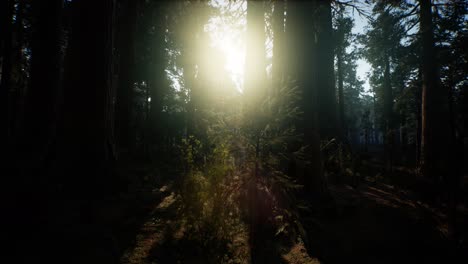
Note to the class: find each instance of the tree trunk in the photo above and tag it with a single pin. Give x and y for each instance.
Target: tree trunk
(254, 93)
(342, 118)
(157, 75)
(278, 46)
(41, 101)
(435, 110)
(388, 110)
(304, 70)
(327, 108)
(5, 83)
(255, 62)
(86, 134)
(125, 94)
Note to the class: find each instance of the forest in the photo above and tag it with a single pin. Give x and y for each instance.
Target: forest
(234, 131)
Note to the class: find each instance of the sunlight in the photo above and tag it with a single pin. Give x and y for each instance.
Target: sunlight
(228, 36)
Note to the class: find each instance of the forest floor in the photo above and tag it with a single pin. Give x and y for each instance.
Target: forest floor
(373, 223)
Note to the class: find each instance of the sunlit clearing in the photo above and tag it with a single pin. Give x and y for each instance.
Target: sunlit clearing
(227, 33)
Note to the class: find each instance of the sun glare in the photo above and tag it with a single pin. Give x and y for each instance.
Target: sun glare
(228, 36)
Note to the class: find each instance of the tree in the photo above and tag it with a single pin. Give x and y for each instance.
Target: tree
(255, 65)
(156, 72)
(86, 142)
(382, 43)
(278, 45)
(41, 104)
(435, 105)
(7, 44)
(327, 106)
(125, 94)
(303, 68)
(254, 94)
(343, 31)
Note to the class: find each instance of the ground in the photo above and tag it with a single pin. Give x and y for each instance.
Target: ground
(374, 223)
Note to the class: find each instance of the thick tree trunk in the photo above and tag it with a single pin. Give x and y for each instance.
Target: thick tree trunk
(435, 109)
(304, 70)
(327, 106)
(41, 101)
(157, 75)
(5, 82)
(125, 94)
(254, 93)
(86, 132)
(255, 64)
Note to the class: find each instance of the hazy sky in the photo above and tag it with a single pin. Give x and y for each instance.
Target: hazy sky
(363, 66)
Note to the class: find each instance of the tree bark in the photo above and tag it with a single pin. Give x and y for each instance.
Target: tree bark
(5, 83)
(342, 119)
(255, 64)
(41, 100)
(86, 131)
(278, 46)
(125, 94)
(388, 110)
(435, 109)
(304, 71)
(254, 93)
(327, 106)
(157, 74)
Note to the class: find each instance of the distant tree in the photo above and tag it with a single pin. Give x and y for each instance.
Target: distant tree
(382, 42)
(254, 95)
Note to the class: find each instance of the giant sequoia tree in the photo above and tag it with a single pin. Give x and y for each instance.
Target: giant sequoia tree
(303, 63)
(41, 112)
(435, 108)
(85, 131)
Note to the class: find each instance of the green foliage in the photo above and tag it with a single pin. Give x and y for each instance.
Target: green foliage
(210, 211)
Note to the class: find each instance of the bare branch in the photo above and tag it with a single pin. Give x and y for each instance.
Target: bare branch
(355, 7)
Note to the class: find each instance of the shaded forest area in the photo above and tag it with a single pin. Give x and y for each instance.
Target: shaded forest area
(124, 138)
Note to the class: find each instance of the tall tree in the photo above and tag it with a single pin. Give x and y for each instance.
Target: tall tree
(382, 42)
(343, 32)
(255, 64)
(157, 75)
(435, 106)
(301, 43)
(7, 9)
(41, 103)
(254, 95)
(125, 94)
(278, 45)
(86, 132)
(327, 105)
